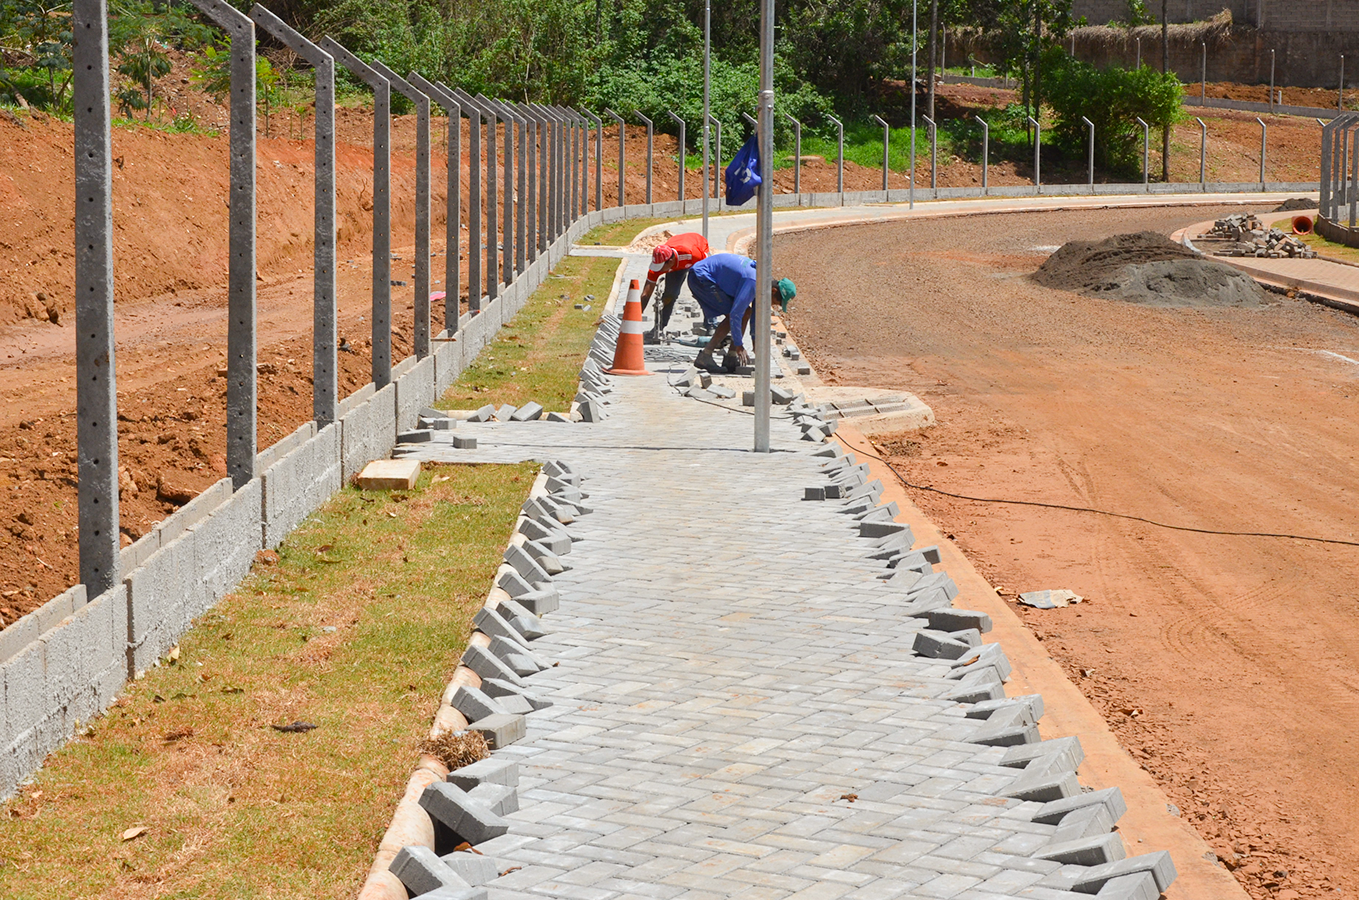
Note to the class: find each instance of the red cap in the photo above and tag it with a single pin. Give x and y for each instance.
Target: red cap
(663, 254)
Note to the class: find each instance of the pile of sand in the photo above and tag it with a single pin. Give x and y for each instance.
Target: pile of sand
(1294, 204)
(1147, 268)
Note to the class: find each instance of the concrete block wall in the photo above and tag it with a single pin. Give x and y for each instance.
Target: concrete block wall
(65, 662)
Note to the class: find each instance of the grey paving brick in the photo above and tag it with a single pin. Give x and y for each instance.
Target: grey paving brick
(501, 729)
(421, 871)
(453, 807)
(492, 770)
(474, 704)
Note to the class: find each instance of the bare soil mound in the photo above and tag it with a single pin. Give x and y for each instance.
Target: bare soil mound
(1294, 204)
(1149, 269)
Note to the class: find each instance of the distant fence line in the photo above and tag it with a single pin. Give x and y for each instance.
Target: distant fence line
(528, 201)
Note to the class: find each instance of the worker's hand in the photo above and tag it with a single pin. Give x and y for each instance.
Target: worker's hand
(742, 355)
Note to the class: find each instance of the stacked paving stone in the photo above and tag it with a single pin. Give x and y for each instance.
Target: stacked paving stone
(469, 807)
(1249, 237)
(595, 386)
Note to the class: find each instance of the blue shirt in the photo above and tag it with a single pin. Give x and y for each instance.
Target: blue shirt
(733, 276)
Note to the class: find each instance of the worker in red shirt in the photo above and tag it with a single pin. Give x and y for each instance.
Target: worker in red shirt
(673, 260)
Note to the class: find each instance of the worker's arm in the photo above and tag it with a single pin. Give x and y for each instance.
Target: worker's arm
(647, 290)
(739, 309)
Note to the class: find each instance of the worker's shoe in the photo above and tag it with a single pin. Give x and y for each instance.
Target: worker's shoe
(705, 361)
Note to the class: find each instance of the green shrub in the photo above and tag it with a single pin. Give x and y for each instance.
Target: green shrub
(1112, 98)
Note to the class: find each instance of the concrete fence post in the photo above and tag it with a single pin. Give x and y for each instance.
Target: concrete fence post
(325, 380)
(474, 275)
(1203, 153)
(381, 368)
(96, 386)
(521, 256)
(797, 157)
(576, 144)
(1324, 185)
(650, 136)
(1146, 153)
(1352, 185)
(584, 125)
(453, 217)
(1340, 96)
(503, 112)
(1271, 82)
(934, 155)
(599, 157)
(1090, 177)
(986, 149)
(1203, 75)
(492, 200)
(421, 101)
(886, 141)
(544, 176)
(680, 156)
(242, 389)
(839, 158)
(531, 137)
(555, 179)
(622, 147)
(1037, 154)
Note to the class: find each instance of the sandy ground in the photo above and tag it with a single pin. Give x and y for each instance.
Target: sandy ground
(1229, 666)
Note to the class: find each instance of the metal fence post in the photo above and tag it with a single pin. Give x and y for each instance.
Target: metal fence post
(1340, 97)
(420, 334)
(622, 148)
(986, 149)
(1271, 82)
(934, 155)
(1139, 50)
(325, 381)
(242, 390)
(680, 189)
(1037, 154)
(717, 162)
(1091, 163)
(1203, 153)
(1203, 75)
(839, 158)
(1146, 153)
(886, 139)
(797, 157)
(649, 135)
(96, 385)
(453, 196)
(1264, 134)
(381, 326)
(599, 157)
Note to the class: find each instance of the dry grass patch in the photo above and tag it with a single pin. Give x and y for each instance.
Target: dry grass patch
(186, 787)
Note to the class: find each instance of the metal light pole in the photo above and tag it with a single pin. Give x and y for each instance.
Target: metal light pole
(914, 43)
(1340, 100)
(886, 138)
(717, 149)
(707, 55)
(764, 269)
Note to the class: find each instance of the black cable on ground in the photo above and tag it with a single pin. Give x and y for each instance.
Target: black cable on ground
(1104, 512)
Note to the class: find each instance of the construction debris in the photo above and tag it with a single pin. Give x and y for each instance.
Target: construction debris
(1247, 236)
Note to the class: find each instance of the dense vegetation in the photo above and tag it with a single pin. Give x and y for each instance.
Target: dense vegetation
(852, 57)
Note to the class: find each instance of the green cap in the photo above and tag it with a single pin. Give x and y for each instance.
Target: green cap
(787, 291)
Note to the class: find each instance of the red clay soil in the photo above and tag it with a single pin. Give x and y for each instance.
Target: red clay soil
(1228, 666)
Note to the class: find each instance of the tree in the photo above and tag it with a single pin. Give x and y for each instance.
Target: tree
(1112, 98)
(41, 31)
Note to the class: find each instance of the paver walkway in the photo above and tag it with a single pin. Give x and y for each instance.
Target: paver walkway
(739, 708)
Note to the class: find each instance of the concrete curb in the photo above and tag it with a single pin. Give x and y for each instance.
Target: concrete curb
(1069, 714)
(411, 825)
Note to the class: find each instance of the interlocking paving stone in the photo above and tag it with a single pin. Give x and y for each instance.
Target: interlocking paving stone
(727, 670)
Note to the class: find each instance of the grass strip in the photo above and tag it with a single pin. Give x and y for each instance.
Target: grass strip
(537, 355)
(186, 789)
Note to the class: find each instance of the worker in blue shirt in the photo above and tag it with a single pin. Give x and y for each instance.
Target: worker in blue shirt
(724, 285)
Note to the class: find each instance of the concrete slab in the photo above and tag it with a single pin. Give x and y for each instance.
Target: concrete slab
(389, 475)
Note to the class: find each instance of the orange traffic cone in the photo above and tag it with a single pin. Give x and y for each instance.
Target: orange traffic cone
(627, 354)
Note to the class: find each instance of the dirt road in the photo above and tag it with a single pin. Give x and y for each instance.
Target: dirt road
(1229, 666)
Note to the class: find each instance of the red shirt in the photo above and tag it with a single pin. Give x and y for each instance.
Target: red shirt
(690, 247)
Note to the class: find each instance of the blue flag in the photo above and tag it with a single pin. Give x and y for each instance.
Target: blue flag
(743, 173)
